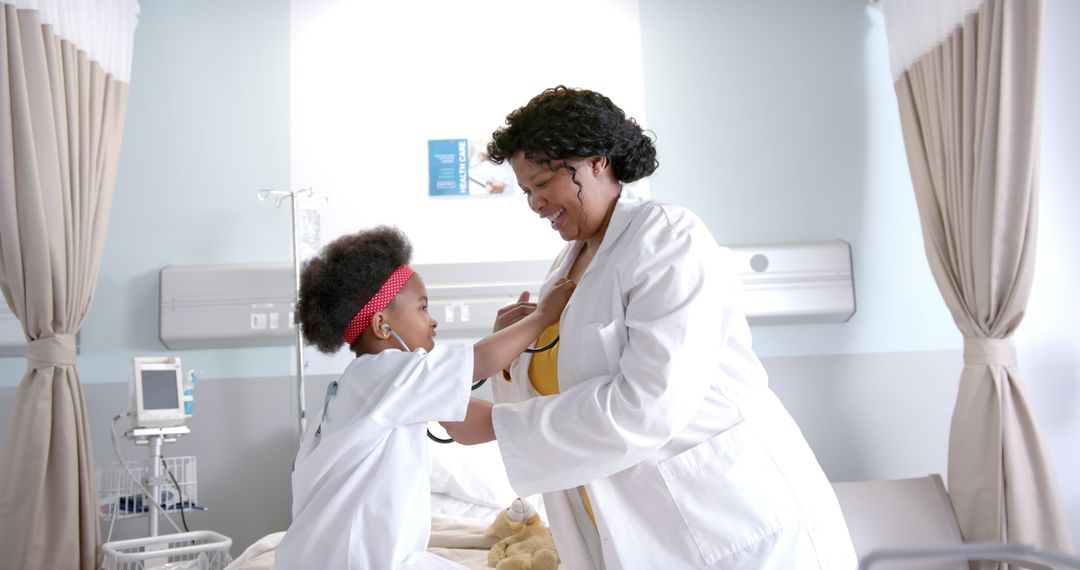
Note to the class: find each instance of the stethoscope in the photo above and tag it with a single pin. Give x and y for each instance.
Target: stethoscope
(544, 348)
(481, 382)
(331, 389)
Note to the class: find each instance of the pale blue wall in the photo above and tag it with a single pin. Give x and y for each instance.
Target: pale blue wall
(207, 125)
(776, 121)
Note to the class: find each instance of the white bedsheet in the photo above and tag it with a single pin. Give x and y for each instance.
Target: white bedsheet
(469, 487)
(460, 539)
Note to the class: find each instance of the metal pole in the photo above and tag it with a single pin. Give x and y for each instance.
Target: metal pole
(299, 333)
(280, 195)
(155, 482)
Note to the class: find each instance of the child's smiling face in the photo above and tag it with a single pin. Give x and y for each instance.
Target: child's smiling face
(408, 315)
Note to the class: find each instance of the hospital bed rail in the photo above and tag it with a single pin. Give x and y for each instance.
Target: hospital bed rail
(1024, 556)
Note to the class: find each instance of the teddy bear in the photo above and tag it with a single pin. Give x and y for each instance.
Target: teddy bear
(525, 541)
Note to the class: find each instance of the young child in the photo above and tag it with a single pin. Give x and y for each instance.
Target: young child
(361, 495)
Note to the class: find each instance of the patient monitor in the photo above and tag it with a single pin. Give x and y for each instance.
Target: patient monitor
(158, 389)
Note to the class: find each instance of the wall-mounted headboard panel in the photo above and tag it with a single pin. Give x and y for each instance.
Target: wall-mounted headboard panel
(227, 306)
(790, 283)
(12, 339)
(224, 306)
(220, 306)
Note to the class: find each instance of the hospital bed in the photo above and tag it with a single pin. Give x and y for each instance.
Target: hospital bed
(899, 524)
(460, 539)
(909, 524)
(469, 487)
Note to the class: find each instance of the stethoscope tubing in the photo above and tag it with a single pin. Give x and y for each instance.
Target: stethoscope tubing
(331, 390)
(545, 348)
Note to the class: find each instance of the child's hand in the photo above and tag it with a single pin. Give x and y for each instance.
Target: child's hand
(476, 427)
(551, 306)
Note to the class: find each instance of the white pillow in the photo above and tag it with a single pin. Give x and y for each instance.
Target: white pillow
(471, 473)
(443, 504)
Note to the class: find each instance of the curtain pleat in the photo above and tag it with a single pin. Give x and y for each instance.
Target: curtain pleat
(970, 117)
(61, 121)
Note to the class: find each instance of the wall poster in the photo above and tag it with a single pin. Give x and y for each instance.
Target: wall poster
(460, 167)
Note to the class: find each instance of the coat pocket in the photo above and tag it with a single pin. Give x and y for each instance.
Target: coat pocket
(729, 492)
(606, 340)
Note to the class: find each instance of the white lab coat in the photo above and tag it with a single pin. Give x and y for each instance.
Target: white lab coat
(665, 416)
(361, 489)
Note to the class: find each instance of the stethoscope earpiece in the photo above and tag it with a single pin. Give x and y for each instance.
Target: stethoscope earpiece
(386, 329)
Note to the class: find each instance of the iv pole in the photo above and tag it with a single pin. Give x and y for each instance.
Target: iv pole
(279, 196)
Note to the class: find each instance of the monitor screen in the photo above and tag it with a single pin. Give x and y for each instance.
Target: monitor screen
(159, 390)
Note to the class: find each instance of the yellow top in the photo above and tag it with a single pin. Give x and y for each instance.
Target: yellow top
(544, 376)
(544, 366)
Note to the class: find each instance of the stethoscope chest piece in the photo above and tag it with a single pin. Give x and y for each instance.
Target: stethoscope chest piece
(331, 391)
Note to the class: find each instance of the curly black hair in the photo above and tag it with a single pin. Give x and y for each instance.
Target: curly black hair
(347, 273)
(562, 123)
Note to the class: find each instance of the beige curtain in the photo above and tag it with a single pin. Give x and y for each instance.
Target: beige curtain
(969, 110)
(61, 119)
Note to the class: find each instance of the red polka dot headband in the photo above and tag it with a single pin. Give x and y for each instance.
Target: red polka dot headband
(382, 298)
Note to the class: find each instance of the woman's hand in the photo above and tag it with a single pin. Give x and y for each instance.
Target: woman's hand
(511, 314)
(552, 305)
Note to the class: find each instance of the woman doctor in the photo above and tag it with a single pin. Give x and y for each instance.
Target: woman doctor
(648, 425)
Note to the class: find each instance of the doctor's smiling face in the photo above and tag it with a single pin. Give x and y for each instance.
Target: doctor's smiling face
(408, 316)
(575, 196)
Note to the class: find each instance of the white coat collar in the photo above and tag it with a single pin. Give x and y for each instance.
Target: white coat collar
(620, 219)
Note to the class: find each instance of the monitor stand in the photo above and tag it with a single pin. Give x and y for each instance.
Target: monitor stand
(155, 437)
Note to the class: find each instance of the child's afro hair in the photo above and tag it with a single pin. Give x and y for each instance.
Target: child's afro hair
(346, 274)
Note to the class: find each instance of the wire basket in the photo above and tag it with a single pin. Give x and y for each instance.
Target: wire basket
(198, 550)
(120, 497)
